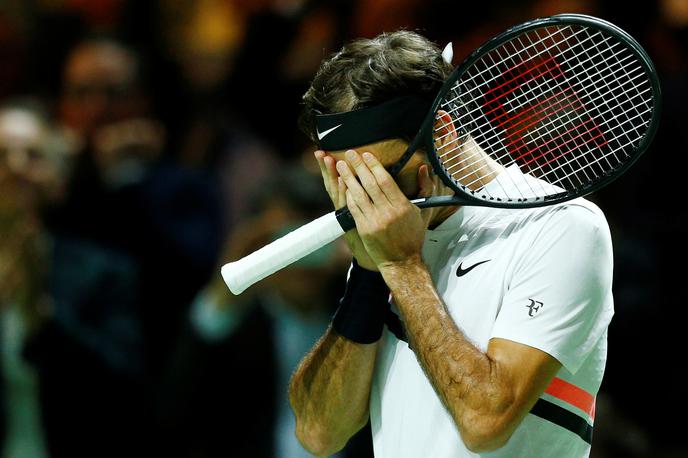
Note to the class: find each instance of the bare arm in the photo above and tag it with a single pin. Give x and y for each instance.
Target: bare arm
(329, 392)
(487, 394)
(330, 389)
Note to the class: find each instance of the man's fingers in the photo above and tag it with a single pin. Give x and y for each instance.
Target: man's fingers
(353, 207)
(384, 180)
(319, 157)
(354, 188)
(425, 183)
(368, 180)
(331, 168)
(326, 164)
(341, 193)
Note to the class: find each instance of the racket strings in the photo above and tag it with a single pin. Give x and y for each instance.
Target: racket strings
(532, 117)
(589, 121)
(612, 152)
(630, 87)
(524, 95)
(529, 90)
(477, 152)
(588, 77)
(627, 72)
(609, 110)
(570, 131)
(485, 81)
(495, 134)
(533, 72)
(605, 156)
(562, 99)
(466, 114)
(634, 107)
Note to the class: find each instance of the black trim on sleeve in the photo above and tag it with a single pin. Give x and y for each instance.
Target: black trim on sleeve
(562, 417)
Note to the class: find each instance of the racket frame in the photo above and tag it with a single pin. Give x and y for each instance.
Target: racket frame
(467, 197)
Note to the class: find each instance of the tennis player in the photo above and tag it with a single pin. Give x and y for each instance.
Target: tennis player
(464, 331)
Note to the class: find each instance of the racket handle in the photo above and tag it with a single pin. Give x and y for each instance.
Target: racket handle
(243, 273)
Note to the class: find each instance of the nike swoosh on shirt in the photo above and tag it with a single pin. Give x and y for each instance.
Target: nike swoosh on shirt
(322, 135)
(460, 272)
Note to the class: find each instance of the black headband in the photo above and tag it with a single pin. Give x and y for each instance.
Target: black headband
(396, 118)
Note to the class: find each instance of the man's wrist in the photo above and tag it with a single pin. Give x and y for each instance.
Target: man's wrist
(394, 271)
(409, 281)
(361, 313)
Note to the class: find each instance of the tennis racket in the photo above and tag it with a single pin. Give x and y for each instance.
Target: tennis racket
(547, 111)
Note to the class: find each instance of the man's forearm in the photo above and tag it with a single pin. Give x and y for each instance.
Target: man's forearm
(330, 391)
(467, 381)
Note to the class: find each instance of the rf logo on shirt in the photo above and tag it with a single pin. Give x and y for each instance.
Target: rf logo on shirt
(534, 307)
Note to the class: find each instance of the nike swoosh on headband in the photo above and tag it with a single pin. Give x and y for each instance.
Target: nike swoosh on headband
(396, 118)
(322, 135)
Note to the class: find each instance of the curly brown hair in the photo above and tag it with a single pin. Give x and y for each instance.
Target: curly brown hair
(367, 72)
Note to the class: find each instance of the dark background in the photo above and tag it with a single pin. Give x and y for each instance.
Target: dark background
(158, 177)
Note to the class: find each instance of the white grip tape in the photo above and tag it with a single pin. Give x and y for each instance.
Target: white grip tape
(243, 273)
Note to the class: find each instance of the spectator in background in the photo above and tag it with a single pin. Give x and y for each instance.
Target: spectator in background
(210, 132)
(105, 112)
(113, 138)
(29, 173)
(127, 194)
(101, 84)
(66, 309)
(227, 390)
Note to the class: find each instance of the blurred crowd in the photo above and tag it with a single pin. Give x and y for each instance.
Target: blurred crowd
(145, 143)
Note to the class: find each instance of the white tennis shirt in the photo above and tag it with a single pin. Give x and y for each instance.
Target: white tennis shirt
(541, 277)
